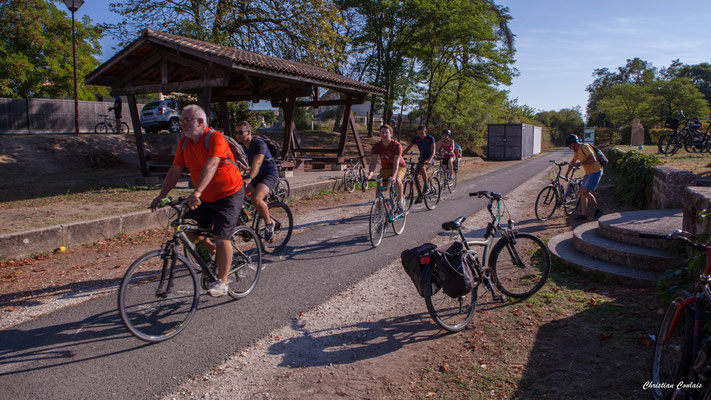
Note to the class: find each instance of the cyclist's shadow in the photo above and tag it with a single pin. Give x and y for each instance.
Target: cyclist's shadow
(348, 344)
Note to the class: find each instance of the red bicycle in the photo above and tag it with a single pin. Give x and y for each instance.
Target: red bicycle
(681, 366)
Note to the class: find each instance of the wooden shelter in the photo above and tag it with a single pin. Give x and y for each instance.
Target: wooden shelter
(162, 62)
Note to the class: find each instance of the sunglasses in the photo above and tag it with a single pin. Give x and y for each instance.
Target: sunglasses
(242, 132)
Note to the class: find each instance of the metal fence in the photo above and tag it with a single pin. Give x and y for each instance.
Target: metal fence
(41, 116)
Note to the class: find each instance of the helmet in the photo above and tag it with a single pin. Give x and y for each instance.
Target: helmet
(447, 132)
(570, 140)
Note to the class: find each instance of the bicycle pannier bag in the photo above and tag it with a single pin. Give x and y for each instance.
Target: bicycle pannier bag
(412, 262)
(454, 275)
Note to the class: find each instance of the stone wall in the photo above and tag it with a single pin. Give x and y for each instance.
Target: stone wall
(668, 186)
(696, 199)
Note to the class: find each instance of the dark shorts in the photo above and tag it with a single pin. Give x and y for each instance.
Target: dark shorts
(269, 180)
(421, 162)
(221, 217)
(590, 181)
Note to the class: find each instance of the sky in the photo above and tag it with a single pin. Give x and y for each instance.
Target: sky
(560, 42)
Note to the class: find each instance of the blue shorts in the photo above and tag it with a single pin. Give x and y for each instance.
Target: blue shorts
(590, 181)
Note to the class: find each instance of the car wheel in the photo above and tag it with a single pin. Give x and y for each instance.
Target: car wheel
(174, 125)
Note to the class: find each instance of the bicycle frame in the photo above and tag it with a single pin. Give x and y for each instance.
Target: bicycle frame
(388, 210)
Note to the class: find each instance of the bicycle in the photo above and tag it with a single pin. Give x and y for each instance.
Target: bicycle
(282, 191)
(354, 175)
(689, 136)
(159, 293)
(103, 126)
(281, 216)
(430, 197)
(518, 264)
(682, 346)
(384, 211)
(553, 195)
(447, 178)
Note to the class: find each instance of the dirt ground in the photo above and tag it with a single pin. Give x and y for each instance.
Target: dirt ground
(576, 339)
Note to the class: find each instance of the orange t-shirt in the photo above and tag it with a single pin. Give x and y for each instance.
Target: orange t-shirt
(227, 179)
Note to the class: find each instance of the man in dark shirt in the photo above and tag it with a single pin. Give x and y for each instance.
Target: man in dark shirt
(263, 175)
(426, 144)
(117, 112)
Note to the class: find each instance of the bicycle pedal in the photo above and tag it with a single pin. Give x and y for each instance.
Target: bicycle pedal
(499, 299)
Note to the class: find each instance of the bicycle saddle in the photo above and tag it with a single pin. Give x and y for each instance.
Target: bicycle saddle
(453, 225)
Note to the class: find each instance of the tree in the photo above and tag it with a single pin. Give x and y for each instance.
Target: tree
(680, 94)
(700, 75)
(300, 30)
(624, 102)
(36, 51)
(562, 123)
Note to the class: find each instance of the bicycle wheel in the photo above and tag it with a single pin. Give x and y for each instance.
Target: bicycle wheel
(662, 142)
(572, 200)
(546, 202)
(433, 193)
(349, 180)
(671, 360)
(246, 263)
(521, 266)
(376, 225)
(674, 144)
(362, 182)
(124, 128)
(157, 298)
(451, 314)
(282, 191)
(452, 182)
(408, 189)
(283, 225)
(101, 128)
(400, 216)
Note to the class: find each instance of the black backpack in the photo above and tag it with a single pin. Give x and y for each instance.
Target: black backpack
(454, 276)
(273, 146)
(414, 262)
(600, 156)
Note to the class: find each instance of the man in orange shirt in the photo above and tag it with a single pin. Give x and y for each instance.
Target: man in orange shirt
(218, 196)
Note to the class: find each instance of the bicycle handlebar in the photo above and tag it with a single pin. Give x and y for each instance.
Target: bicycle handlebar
(561, 164)
(679, 235)
(488, 195)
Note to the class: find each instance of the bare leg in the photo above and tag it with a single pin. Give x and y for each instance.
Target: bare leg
(258, 195)
(224, 257)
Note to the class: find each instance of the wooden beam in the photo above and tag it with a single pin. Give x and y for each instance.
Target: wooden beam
(288, 129)
(136, 122)
(225, 114)
(201, 67)
(339, 102)
(356, 136)
(347, 113)
(205, 101)
(138, 70)
(164, 72)
(173, 87)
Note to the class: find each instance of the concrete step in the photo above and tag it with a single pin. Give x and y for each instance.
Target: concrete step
(625, 227)
(562, 248)
(587, 240)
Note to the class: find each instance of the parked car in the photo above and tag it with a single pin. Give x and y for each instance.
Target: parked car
(159, 115)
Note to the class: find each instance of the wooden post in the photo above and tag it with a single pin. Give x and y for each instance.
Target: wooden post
(225, 114)
(356, 136)
(347, 115)
(205, 101)
(136, 121)
(289, 108)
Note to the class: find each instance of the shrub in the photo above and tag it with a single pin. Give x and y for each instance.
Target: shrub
(103, 159)
(635, 173)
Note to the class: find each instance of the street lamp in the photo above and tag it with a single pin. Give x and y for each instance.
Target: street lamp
(73, 6)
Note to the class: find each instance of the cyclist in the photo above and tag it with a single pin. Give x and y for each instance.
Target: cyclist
(446, 147)
(217, 199)
(263, 175)
(585, 155)
(392, 165)
(426, 144)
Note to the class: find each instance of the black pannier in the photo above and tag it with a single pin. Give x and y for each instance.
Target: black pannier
(454, 276)
(414, 262)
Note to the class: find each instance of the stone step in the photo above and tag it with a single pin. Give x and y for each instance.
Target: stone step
(561, 247)
(625, 227)
(587, 240)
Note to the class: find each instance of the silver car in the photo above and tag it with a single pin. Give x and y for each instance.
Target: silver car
(159, 115)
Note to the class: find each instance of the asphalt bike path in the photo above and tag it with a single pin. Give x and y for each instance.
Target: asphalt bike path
(85, 352)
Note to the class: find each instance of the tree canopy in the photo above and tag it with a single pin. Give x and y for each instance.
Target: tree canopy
(36, 51)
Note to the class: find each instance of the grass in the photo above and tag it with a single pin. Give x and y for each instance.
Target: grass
(697, 163)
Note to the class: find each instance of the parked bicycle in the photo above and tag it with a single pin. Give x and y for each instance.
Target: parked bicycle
(518, 264)
(160, 291)
(554, 195)
(682, 346)
(104, 126)
(355, 175)
(411, 183)
(385, 212)
(283, 219)
(685, 133)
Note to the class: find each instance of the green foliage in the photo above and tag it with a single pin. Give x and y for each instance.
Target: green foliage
(302, 118)
(36, 51)
(635, 172)
(700, 76)
(562, 123)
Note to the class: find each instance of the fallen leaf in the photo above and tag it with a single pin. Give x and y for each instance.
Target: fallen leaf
(643, 340)
(605, 336)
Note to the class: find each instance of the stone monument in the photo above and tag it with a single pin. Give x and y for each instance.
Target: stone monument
(637, 133)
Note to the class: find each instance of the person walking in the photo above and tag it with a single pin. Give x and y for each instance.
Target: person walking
(584, 155)
(217, 199)
(117, 108)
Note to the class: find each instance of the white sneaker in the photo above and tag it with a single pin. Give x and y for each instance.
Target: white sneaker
(217, 289)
